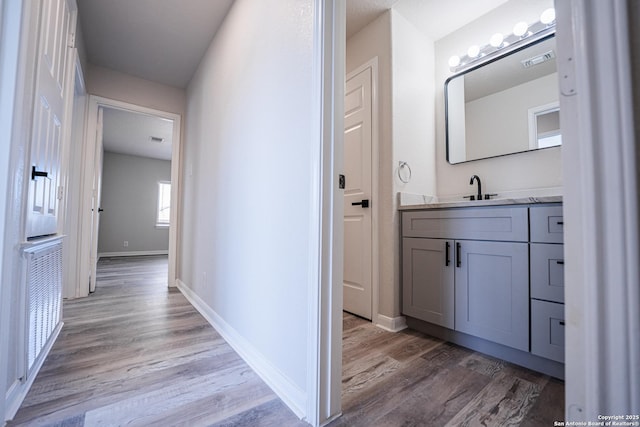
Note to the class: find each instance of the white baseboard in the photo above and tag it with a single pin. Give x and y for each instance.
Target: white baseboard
(290, 393)
(133, 253)
(18, 391)
(391, 324)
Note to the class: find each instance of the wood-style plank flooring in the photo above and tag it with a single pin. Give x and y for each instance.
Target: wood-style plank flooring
(410, 379)
(137, 353)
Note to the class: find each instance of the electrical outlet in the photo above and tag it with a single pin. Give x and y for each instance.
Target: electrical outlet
(126, 244)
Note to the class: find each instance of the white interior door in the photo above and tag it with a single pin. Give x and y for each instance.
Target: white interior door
(357, 195)
(95, 203)
(52, 93)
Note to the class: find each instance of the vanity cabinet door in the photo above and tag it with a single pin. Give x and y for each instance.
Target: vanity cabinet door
(427, 282)
(492, 291)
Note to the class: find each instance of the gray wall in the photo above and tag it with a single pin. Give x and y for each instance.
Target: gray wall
(129, 200)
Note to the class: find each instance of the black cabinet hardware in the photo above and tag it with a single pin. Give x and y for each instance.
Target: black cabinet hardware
(458, 256)
(364, 203)
(560, 222)
(560, 262)
(447, 260)
(35, 173)
(561, 323)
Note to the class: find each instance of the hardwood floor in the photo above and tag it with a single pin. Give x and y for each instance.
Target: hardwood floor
(137, 353)
(410, 379)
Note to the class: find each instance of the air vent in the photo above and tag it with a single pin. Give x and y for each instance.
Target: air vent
(157, 139)
(538, 59)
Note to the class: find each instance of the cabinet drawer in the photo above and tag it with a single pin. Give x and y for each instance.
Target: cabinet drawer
(501, 224)
(547, 224)
(547, 272)
(547, 330)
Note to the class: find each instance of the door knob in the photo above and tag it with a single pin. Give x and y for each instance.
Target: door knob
(364, 203)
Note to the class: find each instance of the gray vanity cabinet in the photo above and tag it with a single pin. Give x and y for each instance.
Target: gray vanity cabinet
(492, 292)
(468, 270)
(490, 278)
(428, 275)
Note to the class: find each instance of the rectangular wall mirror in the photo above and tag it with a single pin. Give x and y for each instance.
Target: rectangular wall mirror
(505, 106)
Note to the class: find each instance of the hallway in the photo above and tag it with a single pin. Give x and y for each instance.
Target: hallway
(137, 353)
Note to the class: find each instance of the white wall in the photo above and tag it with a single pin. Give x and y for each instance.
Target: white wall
(249, 139)
(134, 90)
(413, 126)
(525, 172)
(130, 202)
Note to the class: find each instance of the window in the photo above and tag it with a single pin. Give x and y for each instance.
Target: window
(164, 203)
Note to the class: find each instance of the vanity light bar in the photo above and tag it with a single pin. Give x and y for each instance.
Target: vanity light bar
(522, 33)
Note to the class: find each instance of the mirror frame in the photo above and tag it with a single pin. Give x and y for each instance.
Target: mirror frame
(489, 60)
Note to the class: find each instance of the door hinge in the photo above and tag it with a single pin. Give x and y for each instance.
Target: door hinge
(60, 192)
(71, 40)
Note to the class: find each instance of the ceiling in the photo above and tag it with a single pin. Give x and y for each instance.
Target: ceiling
(158, 40)
(164, 41)
(130, 133)
(435, 18)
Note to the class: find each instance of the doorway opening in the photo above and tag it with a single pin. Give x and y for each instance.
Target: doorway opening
(131, 174)
(134, 193)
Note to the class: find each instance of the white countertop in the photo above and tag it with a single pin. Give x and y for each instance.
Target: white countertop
(492, 202)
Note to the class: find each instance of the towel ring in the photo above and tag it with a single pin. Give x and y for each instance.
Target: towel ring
(401, 165)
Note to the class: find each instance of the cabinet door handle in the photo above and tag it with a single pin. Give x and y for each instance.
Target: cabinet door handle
(560, 262)
(447, 259)
(458, 256)
(560, 222)
(561, 323)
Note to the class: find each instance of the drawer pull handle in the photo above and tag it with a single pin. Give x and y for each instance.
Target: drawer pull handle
(561, 323)
(560, 262)
(560, 222)
(447, 259)
(458, 256)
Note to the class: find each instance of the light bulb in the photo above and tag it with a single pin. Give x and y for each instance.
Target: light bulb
(454, 61)
(496, 40)
(548, 16)
(473, 51)
(520, 29)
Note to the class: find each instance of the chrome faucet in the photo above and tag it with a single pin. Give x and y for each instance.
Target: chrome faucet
(477, 178)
